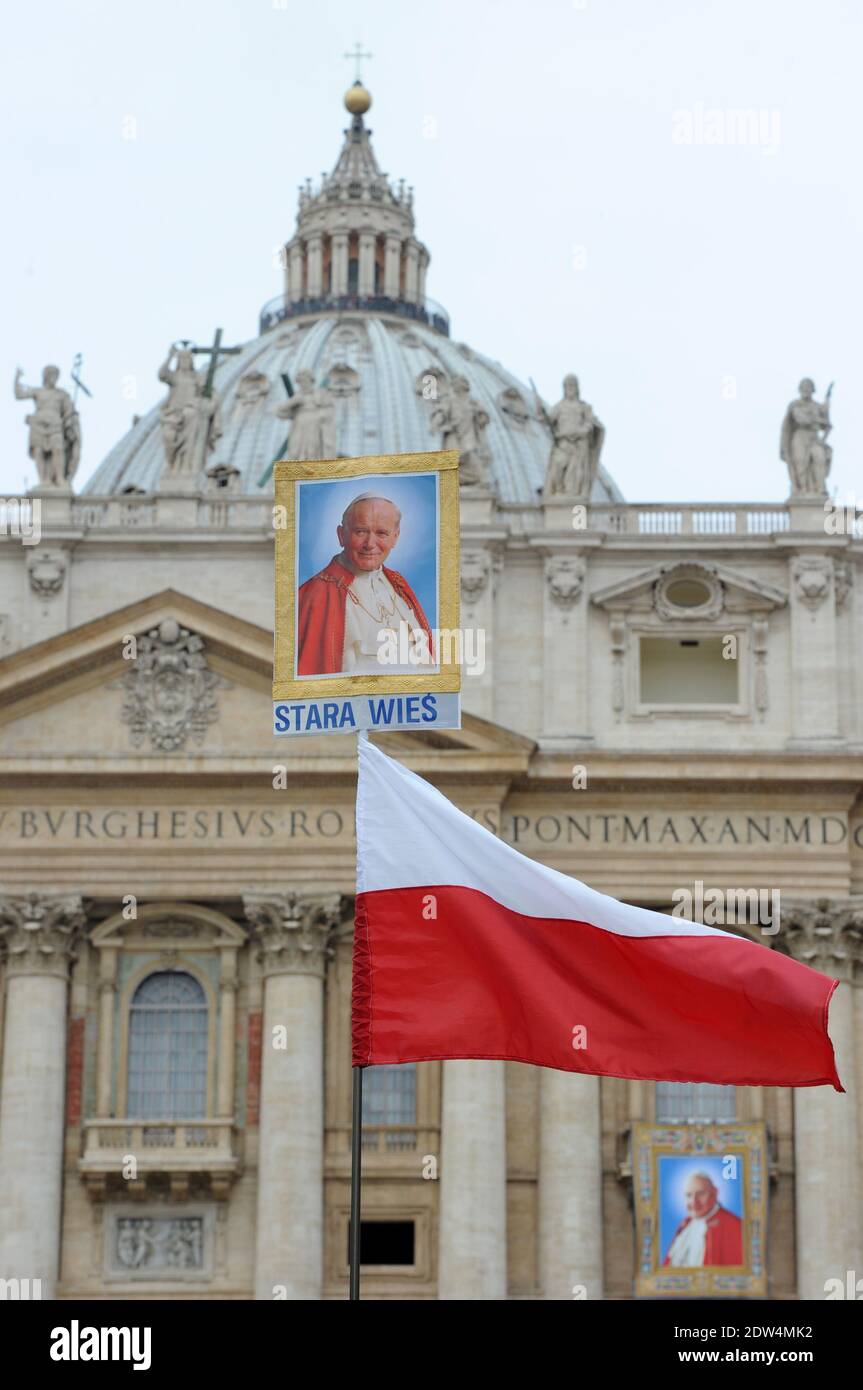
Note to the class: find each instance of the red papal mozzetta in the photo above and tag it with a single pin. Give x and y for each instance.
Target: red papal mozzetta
(465, 948)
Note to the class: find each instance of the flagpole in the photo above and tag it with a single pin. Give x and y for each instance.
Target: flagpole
(356, 1174)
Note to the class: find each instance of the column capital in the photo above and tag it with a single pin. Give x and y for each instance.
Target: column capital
(293, 930)
(38, 932)
(826, 934)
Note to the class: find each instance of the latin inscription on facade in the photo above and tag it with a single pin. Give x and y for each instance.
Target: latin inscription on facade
(734, 831)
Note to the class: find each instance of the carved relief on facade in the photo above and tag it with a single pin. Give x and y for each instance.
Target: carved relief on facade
(159, 1245)
(617, 635)
(170, 691)
(475, 571)
(688, 592)
(759, 652)
(812, 578)
(46, 570)
(843, 583)
(564, 576)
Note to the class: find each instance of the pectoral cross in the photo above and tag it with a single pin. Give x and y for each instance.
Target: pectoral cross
(216, 351)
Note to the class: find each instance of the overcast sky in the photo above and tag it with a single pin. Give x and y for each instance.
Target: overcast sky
(577, 216)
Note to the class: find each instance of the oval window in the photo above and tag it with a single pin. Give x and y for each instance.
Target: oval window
(687, 593)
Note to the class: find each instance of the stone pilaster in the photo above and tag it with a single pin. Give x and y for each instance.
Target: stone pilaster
(107, 1004)
(566, 664)
(814, 657)
(828, 936)
(570, 1186)
(479, 570)
(472, 1234)
(292, 932)
(227, 1031)
(38, 936)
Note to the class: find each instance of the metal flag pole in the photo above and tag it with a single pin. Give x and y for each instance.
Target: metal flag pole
(356, 1174)
(356, 1141)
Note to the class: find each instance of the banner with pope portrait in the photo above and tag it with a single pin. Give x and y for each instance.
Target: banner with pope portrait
(367, 589)
(700, 1197)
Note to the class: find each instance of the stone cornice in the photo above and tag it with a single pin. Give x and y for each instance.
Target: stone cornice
(293, 931)
(38, 933)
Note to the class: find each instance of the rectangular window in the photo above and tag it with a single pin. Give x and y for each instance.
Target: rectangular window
(385, 1242)
(694, 1100)
(390, 1095)
(686, 671)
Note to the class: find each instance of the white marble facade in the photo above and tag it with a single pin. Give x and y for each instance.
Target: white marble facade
(671, 694)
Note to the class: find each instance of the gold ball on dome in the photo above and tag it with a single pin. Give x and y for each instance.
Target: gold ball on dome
(358, 99)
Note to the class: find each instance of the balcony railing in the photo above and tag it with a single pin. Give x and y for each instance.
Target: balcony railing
(275, 311)
(176, 1150)
(690, 519)
(389, 1140)
(244, 512)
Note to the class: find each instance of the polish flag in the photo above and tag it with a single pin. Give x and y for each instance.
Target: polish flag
(465, 948)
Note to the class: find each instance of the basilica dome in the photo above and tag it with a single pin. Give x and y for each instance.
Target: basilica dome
(354, 315)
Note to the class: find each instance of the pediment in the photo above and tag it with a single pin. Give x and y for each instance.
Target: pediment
(174, 926)
(196, 699)
(732, 588)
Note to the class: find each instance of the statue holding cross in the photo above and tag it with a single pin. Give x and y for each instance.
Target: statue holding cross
(191, 415)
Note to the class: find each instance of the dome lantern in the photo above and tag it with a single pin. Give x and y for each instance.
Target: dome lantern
(354, 246)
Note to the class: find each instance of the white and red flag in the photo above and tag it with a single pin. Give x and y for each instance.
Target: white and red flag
(465, 948)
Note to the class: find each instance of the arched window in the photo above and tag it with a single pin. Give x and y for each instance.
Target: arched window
(694, 1100)
(168, 1048)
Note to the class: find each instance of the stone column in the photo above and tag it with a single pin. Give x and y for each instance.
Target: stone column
(411, 271)
(570, 1185)
(421, 276)
(293, 933)
(828, 937)
(104, 1042)
(472, 1231)
(227, 1032)
(366, 269)
(392, 265)
(38, 934)
(340, 263)
(814, 658)
(315, 264)
(295, 272)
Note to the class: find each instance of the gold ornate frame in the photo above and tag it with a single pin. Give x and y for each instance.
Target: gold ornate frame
(748, 1141)
(287, 474)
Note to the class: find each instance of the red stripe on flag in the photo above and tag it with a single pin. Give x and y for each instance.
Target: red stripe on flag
(478, 979)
